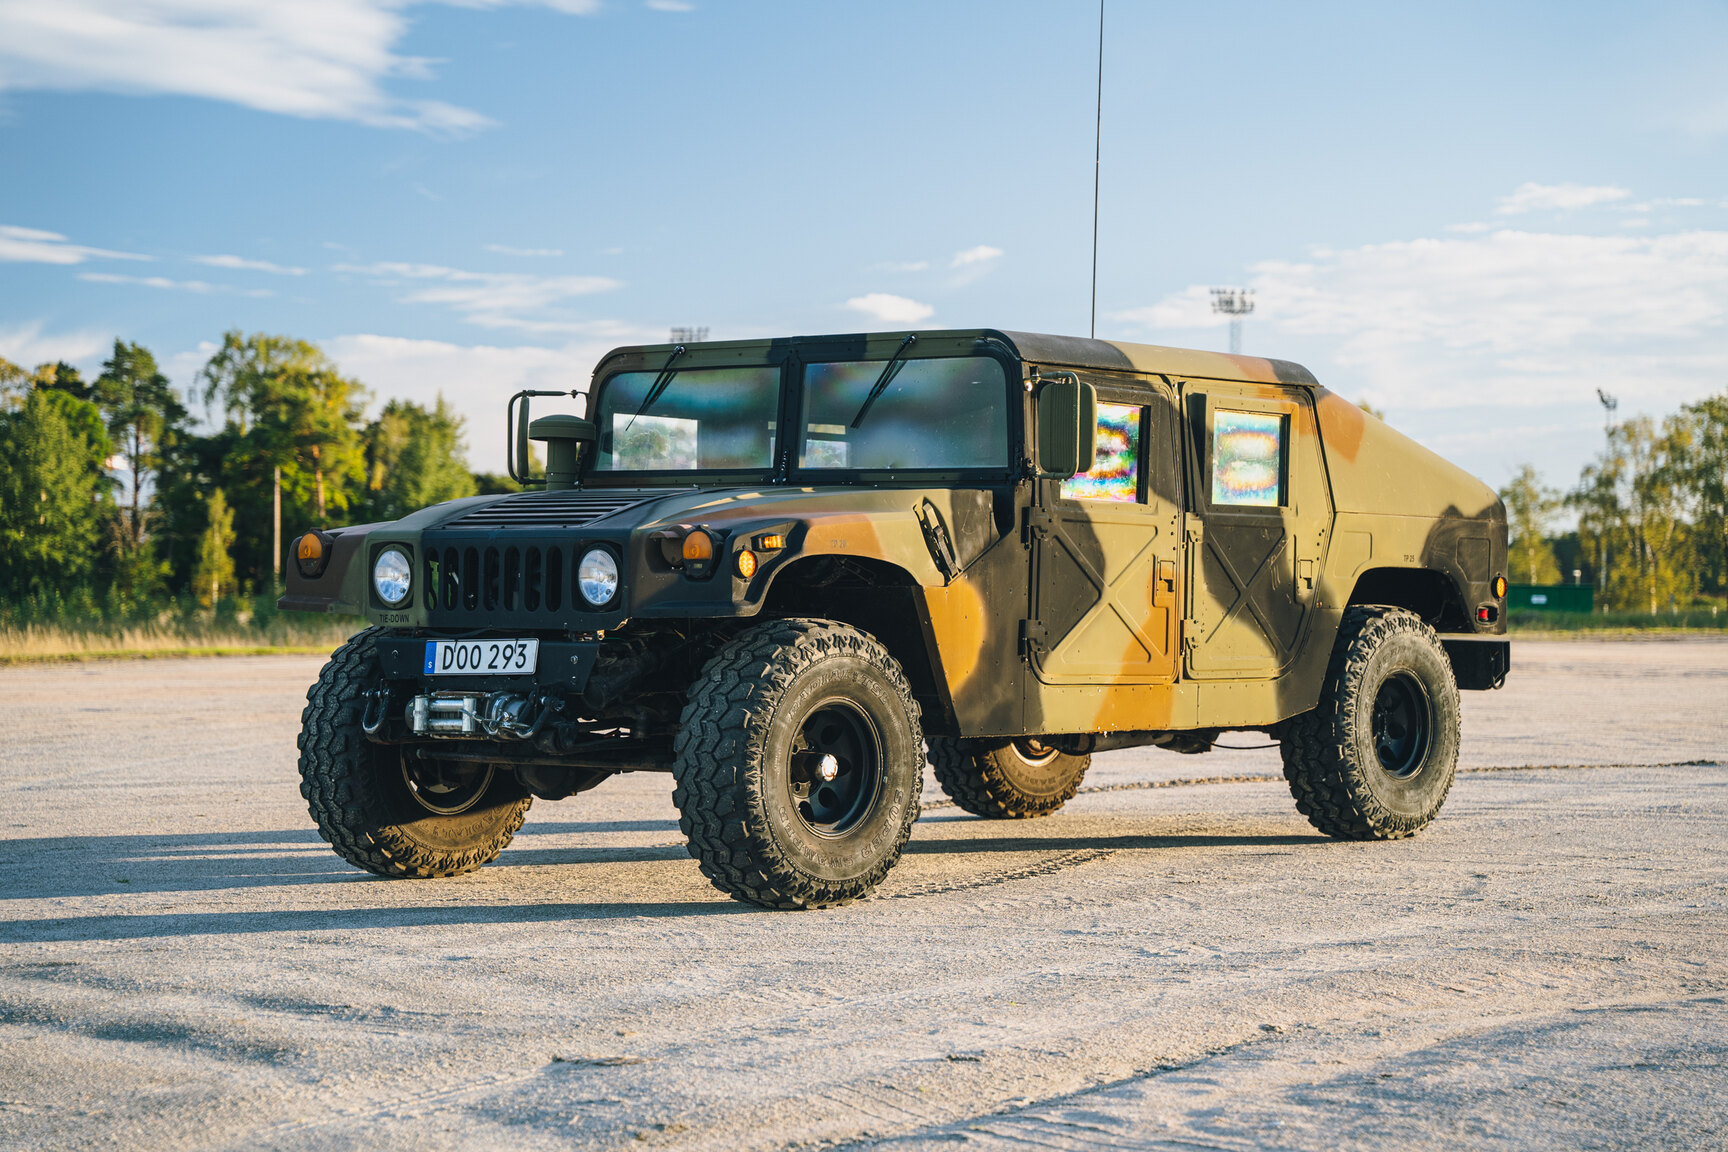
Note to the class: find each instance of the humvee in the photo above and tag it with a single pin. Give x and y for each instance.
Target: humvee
(790, 572)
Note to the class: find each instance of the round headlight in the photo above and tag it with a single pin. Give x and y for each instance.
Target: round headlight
(392, 576)
(597, 577)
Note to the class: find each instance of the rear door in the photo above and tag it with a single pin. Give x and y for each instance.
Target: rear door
(1259, 520)
(1107, 545)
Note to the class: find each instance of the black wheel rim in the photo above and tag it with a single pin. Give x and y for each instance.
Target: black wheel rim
(836, 768)
(443, 787)
(1402, 722)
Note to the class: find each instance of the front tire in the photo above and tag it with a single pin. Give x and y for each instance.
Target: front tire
(1375, 758)
(798, 765)
(379, 809)
(1006, 779)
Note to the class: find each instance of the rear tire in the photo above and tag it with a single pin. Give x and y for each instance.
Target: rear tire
(379, 809)
(1375, 759)
(1006, 779)
(798, 765)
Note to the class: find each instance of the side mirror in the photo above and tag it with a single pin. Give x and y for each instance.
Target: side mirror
(516, 432)
(563, 436)
(1067, 426)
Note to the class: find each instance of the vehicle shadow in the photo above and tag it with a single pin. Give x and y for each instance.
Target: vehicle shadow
(177, 924)
(53, 867)
(961, 845)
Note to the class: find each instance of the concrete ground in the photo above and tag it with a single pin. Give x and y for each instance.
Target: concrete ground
(1165, 964)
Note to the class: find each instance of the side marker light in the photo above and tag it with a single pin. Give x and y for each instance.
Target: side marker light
(1500, 587)
(746, 563)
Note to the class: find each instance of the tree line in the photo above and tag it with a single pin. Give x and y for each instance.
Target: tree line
(1651, 512)
(114, 502)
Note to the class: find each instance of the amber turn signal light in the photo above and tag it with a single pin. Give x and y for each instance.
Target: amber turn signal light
(698, 553)
(746, 563)
(1500, 587)
(311, 554)
(770, 543)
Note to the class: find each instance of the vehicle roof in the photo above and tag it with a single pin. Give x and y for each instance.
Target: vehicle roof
(1034, 347)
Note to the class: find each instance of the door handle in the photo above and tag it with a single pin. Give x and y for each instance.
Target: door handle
(1164, 585)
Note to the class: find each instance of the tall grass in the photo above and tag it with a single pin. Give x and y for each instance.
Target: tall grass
(83, 629)
(1684, 620)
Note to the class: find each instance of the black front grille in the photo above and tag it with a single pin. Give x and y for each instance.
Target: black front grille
(552, 509)
(488, 579)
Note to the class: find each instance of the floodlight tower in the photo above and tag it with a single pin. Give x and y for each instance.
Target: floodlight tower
(1234, 303)
(1609, 404)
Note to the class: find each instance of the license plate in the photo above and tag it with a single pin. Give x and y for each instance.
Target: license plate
(482, 657)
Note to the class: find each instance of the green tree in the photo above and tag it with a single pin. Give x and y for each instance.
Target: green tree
(1631, 518)
(1530, 509)
(414, 457)
(290, 415)
(214, 574)
(1701, 468)
(143, 415)
(55, 494)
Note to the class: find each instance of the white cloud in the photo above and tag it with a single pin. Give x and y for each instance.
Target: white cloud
(199, 286)
(1512, 318)
(901, 266)
(670, 6)
(323, 59)
(34, 246)
(239, 263)
(1557, 197)
(506, 250)
(889, 309)
(981, 254)
(490, 299)
(28, 345)
(477, 380)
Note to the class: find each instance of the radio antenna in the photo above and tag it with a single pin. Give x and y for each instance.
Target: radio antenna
(1097, 159)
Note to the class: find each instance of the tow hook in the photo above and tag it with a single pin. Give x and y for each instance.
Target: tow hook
(377, 707)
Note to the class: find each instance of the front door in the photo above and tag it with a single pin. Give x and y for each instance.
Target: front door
(1107, 548)
(1260, 518)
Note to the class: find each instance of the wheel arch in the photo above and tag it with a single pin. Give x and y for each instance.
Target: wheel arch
(1431, 594)
(877, 597)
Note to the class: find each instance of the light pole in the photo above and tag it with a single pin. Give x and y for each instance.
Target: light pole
(1234, 303)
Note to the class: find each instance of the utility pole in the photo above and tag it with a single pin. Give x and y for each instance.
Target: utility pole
(1609, 405)
(1234, 303)
(276, 523)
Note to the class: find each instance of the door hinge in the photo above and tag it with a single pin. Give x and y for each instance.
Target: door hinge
(1032, 638)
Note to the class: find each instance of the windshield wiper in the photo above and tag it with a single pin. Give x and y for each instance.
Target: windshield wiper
(889, 371)
(660, 383)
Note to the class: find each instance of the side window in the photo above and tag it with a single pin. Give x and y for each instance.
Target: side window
(1115, 473)
(1249, 456)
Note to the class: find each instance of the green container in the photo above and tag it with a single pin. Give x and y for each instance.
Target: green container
(1551, 597)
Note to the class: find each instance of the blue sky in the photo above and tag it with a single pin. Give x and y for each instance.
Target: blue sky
(1473, 215)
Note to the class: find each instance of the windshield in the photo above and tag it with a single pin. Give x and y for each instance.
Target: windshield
(704, 420)
(948, 413)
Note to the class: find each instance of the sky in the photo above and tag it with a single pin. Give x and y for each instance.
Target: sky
(1471, 215)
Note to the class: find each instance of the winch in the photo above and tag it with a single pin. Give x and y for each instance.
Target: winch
(476, 715)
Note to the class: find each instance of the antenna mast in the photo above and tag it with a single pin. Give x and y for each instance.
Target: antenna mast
(1097, 159)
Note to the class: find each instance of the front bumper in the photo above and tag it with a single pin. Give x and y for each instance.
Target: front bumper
(564, 665)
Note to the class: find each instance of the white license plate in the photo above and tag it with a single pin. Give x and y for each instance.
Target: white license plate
(482, 657)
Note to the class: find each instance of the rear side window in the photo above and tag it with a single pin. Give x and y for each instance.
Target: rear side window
(933, 414)
(1247, 458)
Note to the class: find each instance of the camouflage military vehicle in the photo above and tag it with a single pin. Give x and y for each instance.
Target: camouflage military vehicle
(790, 571)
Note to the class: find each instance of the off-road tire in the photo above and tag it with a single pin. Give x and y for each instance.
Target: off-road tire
(734, 764)
(360, 799)
(1005, 779)
(1330, 753)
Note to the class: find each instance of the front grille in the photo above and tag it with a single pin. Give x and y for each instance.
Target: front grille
(571, 509)
(475, 578)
